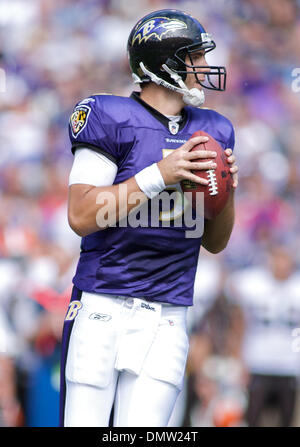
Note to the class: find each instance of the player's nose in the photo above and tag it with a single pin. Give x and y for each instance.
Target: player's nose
(205, 65)
(205, 68)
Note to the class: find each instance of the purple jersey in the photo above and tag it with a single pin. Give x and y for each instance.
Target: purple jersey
(156, 263)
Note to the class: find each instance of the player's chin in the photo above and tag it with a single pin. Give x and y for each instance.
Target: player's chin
(195, 84)
(198, 86)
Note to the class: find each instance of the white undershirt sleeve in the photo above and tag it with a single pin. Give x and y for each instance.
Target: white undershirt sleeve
(91, 168)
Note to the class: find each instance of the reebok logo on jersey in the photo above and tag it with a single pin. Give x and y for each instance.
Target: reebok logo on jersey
(100, 317)
(86, 101)
(146, 306)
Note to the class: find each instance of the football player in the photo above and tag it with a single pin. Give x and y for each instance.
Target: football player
(270, 313)
(125, 341)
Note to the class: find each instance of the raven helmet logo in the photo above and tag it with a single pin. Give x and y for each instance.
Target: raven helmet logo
(156, 27)
(79, 119)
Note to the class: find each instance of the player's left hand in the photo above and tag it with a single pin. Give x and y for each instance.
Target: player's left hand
(234, 167)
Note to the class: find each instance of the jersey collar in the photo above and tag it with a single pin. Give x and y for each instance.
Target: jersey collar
(159, 116)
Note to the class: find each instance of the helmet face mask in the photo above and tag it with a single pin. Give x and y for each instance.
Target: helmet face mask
(215, 76)
(161, 49)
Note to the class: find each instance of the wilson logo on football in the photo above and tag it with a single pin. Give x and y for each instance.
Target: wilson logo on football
(156, 28)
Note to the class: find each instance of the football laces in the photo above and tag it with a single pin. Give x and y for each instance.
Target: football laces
(212, 182)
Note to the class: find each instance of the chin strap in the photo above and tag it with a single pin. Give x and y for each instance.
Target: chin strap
(193, 97)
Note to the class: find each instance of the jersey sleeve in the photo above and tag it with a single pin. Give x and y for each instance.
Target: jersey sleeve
(90, 127)
(91, 168)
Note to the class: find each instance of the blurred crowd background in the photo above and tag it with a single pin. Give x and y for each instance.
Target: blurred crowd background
(244, 357)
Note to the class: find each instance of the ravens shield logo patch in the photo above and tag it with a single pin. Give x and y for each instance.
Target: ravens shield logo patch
(79, 119)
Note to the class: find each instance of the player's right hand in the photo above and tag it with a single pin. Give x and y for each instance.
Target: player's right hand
(179, 164)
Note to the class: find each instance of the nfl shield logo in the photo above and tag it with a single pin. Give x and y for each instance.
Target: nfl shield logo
(173, 127)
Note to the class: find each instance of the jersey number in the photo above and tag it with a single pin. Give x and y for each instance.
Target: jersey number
(180, 202)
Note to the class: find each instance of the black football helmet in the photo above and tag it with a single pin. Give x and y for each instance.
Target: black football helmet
(161, 48)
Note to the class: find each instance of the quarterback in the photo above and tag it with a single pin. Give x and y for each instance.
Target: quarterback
(125, 341)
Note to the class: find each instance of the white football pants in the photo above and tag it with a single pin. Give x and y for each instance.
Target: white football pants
(126, 352)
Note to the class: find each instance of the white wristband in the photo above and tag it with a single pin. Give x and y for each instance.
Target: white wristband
(150, 181)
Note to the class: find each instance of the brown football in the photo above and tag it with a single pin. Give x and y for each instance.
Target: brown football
(216, 193)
